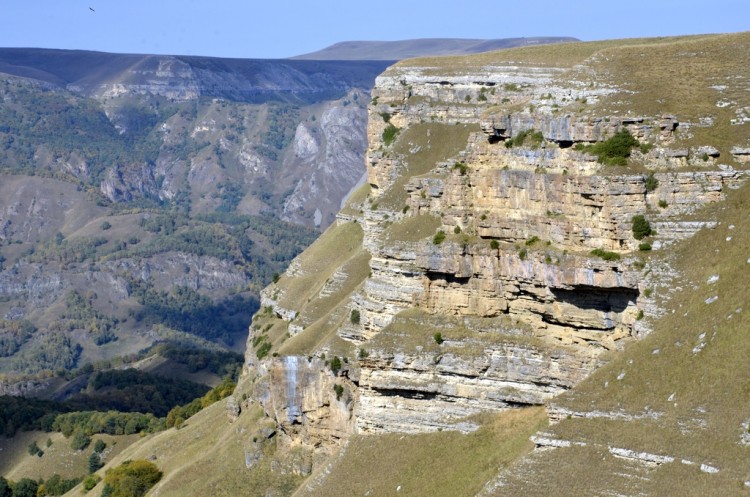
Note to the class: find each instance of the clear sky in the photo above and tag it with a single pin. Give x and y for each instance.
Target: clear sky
(283, 28)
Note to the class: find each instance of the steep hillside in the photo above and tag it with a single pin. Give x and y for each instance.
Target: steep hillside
(530, 216)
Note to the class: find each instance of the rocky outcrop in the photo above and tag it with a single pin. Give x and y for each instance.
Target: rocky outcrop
(502, 269)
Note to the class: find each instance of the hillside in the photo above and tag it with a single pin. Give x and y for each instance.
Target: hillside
(537, 291)
(550, 226)
(407, 49)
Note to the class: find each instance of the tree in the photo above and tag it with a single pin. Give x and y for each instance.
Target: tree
(26, 487)
(99, 446)
(641, 227)
(5, 490)
(335, 365)
(95, 462)
(80, 440)
(131, 479)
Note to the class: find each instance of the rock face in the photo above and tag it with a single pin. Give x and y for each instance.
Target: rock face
(503, 259)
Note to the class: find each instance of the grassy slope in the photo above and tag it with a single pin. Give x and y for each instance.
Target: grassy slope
(205, 457)
(437, 464)
(17, 463)
(701, 392)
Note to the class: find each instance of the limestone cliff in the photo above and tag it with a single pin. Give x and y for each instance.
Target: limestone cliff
(493, 257)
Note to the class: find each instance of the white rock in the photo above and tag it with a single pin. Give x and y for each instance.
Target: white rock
(709, 469)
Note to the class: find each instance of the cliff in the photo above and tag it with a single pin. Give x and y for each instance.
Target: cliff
(495, 260)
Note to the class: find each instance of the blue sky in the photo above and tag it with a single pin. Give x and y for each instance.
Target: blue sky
(271, 29)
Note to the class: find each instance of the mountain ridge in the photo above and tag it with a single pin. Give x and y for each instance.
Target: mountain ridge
(420, 47)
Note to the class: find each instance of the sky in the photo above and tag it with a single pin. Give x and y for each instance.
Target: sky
(277, 29)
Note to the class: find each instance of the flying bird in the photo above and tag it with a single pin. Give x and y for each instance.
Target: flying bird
(92, 9)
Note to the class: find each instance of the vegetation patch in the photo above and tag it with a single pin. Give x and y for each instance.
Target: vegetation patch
(606, 255)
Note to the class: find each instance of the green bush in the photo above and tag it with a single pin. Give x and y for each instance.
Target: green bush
(461, 167)
(494, 244)
(363, 354)
(99, 446)
(339, 391)
(354, 316)
(90, 482)
(80, 440)
(95, 462)
(615, 150)
(641, 227)
(389, 134)
(457, 230)
(438, 337)
(439, 237)
(335, 365)
(131, 479)
(651, 182)
(663, 204)
(25, 487)
(606, 255)
(522, 254)
(644, 247)
(531, 241)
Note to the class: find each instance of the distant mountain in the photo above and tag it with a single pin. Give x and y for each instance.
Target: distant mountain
(187, 77)
(405, 49)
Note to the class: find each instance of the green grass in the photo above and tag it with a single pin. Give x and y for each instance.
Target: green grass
(708, 384)
(412, 228)
(555, 55)
(436, 142)
(17, 463)
(207, 457)
(319, 261)
(438, 464)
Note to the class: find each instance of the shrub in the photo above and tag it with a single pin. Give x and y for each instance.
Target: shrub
(25, 487)
(354, 316)
(389, 134)
(522, 254)
(80, 440)
(651, 182)
(95, 462)
(639, 316)
(386, 117)
(339, 391)
(462, 168)
(648, 292)
(494, 244)
(615, 150)
(34, 449)
(276, 277)
(105, 226)
(641, 227)
(90, 482)
(531, 241)
(606, 255)
(405, 209)
(644, 247)
(263, 350)
(457, 230)
(663, 204)
(131, 479)
(363, 354)
(99, 446)
(439, 237)
(335, 365)
(438, 337)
